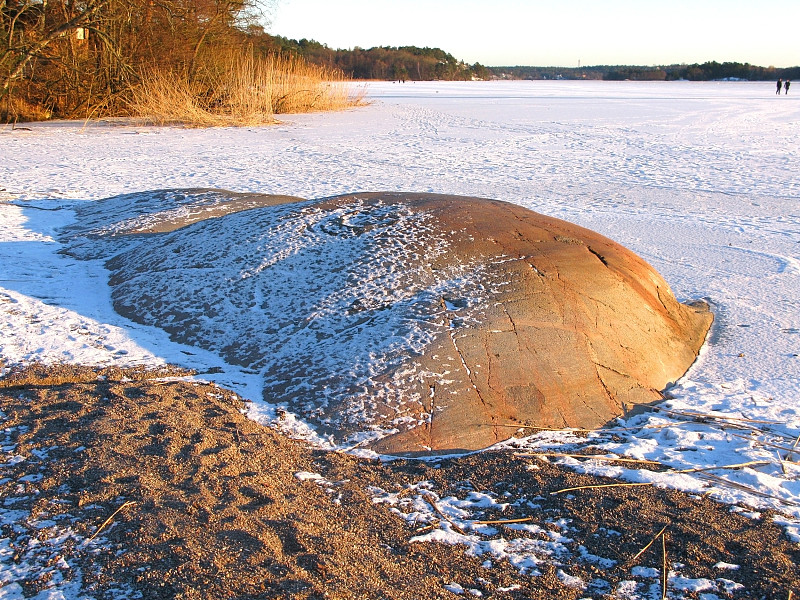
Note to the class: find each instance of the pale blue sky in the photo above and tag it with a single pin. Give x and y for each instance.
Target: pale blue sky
(558, 33)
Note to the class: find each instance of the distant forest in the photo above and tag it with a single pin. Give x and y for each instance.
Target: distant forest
(427, 64)
(708, 71)
(383, 62)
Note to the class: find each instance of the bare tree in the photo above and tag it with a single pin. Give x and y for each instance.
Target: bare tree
(68, 56)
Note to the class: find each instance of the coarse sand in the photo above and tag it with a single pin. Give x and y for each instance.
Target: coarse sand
(212, 507)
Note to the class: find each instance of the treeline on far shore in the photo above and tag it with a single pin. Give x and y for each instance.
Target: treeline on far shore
(707, 71)
(429, 64)
(383, 62)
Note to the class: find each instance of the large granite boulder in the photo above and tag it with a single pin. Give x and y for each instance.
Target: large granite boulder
(416, 322)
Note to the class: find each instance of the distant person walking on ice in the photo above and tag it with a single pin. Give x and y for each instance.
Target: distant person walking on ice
(780, 84)
(786, 85)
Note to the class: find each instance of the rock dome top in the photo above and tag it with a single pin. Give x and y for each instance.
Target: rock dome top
(409, 322)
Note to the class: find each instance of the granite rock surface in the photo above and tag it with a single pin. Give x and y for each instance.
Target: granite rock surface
(414, 322)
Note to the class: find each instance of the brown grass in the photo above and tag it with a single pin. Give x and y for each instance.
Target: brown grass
(17, 110)
(241, 90)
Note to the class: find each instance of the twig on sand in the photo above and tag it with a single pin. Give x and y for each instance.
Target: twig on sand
(503, 521)
(587, 456)
(752, 463)
(540, 428)
(579, 430)
(664, 570)
(781, 462)
(761, 442)
(746, 488)
(109, 519)
(650, 543)
(430, 500)
(711, 416)
(426, 528)
(405, 491)
(604, 485)
(794, 447)
(703, 471)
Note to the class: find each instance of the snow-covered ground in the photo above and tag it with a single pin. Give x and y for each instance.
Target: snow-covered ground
(700, 179)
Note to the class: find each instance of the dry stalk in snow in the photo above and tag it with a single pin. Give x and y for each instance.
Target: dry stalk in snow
(430, 500)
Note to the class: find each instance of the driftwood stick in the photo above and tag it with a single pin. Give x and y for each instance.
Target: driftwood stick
(587, 456)
(109, 519)
(762, 442)
(650, 543)
(429, 499)
(781, 462)
(664, 569)
(404, 492)
(746, 488)
(503, 521)
(578, 430)
(752, 463)
(604, 485)
(794, 447)
(698, 415)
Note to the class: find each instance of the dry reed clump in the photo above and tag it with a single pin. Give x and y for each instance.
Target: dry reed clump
(241, 90)
(17, 110)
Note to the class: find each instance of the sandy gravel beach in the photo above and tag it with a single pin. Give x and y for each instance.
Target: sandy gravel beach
(167, 491)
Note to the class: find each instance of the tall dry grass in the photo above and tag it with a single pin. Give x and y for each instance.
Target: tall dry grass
(241, 90)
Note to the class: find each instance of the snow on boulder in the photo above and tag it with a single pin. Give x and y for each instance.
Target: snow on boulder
(414, 322)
